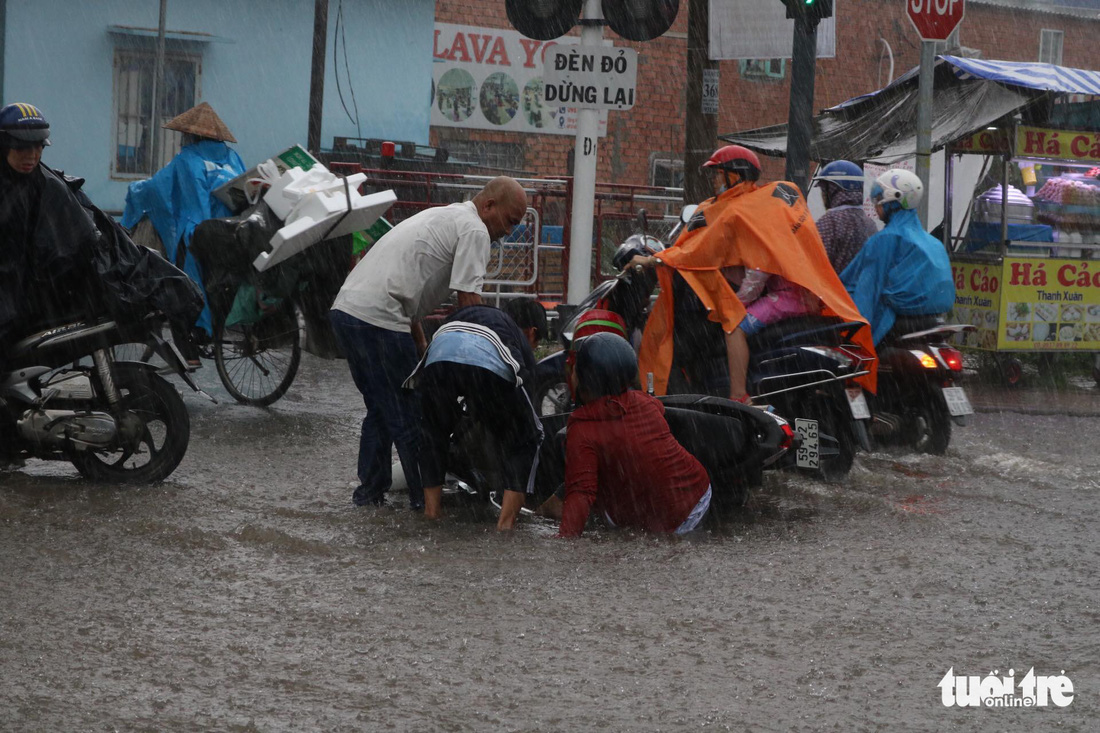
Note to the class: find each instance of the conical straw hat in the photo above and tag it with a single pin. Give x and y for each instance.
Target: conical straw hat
(203, 121)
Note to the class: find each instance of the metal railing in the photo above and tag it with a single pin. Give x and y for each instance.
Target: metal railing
(537, 263)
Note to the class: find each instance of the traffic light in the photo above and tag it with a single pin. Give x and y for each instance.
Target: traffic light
(812, 10)
(544, 20)
(637, 20)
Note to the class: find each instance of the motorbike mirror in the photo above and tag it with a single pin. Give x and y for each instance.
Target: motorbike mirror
(643, 221)
(688, 212)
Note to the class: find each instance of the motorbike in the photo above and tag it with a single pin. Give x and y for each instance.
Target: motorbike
(734, 442)
(64, 396)
(804, 368)
(918, 398)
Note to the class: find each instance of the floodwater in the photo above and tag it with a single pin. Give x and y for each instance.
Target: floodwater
(247, 594)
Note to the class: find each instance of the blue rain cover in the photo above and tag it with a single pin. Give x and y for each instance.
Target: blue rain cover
(180, 196)
(901, 270)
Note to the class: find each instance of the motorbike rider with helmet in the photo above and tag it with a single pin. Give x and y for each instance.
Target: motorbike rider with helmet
(764, 230)
(24, 133)
(621, 457)
(901, 270)
(844, 227)
(42, 263)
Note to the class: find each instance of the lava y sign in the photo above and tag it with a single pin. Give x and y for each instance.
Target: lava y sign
(935, 19)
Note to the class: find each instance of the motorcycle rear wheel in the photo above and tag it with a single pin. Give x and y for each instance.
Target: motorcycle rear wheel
(931, 429)
(837, 448)
(258, 362)
(165, 434)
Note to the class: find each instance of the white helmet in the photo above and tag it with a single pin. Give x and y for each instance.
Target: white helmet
(898, 185)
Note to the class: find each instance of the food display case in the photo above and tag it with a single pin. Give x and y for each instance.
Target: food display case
(1027, 261)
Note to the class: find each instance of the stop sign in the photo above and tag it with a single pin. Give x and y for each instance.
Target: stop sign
(935, 19)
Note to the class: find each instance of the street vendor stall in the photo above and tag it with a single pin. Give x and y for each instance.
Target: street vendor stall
(1022, 222)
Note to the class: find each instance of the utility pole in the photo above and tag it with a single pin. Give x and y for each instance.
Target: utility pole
(157, 138)
(584, 174)
(317, 74)
(806, 14)
(700, 125)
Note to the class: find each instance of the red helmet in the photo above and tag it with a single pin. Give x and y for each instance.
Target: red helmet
(598, 320)
(736, 159)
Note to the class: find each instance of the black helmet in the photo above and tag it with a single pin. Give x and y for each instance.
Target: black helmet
(635, 244)
(606, 365)
(23, 126)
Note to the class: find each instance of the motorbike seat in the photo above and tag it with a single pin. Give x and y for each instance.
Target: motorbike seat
(820, 330)
(911, 324)
(716, 441)
(61, 342)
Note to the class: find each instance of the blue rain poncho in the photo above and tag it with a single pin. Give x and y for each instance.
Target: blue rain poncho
(901, 270)
(180, 196)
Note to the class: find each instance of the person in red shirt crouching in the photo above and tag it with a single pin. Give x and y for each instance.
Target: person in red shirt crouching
(620, 457)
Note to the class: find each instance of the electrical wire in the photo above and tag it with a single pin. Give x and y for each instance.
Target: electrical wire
(340, 37)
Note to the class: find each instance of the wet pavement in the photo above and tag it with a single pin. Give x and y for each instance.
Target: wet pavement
(246, 594)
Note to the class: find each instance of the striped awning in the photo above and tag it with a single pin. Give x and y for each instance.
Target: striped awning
(1043, 77)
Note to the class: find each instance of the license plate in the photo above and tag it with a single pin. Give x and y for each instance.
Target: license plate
(957, 403)
(809, 443)
(857, 403)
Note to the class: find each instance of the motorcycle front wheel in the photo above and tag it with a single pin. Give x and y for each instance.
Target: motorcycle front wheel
(257, 362)
(551, 396)
(157, 415)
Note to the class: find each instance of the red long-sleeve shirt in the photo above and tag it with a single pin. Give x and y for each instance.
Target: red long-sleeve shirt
(621, 458)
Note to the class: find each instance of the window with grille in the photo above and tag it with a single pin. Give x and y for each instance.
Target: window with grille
(666, 172)
(132, 154)
(763, 69)
(1050, 47)
(494, 155)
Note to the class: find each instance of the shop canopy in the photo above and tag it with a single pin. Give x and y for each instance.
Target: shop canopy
(970, 94)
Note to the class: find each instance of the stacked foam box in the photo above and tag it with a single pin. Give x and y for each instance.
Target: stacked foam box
(314, 205)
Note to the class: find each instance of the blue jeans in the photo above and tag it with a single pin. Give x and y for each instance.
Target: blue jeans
(380, 360)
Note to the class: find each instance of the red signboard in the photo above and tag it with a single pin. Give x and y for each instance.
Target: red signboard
(935, 19)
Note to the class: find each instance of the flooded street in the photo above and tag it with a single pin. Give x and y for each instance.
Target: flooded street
(247, 594)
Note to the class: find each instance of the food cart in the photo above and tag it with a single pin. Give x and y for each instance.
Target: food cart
(1027, 265)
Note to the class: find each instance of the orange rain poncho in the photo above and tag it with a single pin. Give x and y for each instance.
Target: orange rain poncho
(766, 228)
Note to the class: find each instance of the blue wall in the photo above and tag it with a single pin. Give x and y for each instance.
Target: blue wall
(59, 56)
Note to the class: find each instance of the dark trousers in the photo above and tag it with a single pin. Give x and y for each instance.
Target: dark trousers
(494, 406)
(380, 360)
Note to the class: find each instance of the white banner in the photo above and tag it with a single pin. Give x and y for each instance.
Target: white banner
(491, 79)
(759, 29)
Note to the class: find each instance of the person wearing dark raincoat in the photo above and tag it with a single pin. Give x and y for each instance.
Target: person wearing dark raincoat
(61, 258)
(180, 195)
(901, 270)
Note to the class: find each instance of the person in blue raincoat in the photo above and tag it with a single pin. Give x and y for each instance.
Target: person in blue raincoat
(901, 270)
(180, 196)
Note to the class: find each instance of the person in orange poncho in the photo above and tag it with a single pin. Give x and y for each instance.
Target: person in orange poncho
(751, 226)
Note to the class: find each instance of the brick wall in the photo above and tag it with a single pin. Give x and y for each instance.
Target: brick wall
(655, 125)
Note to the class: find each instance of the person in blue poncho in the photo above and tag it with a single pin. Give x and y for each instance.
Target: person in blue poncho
(901, 270)
(180, 196)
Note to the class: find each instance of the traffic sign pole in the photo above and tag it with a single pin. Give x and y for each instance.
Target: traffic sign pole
(924, 125)
(934, 20)
(584, 177)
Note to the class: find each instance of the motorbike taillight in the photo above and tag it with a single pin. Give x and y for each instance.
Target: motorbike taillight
(788, 436)
(953, 358)
(926, 360)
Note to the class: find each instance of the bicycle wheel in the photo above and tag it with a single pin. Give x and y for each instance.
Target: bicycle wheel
(257, 362)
